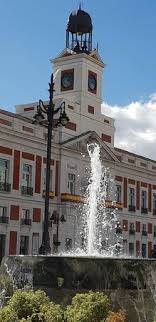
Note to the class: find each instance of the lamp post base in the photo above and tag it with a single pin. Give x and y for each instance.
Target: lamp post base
(45, 248)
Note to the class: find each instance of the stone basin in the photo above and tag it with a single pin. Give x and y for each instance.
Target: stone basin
(129, 283)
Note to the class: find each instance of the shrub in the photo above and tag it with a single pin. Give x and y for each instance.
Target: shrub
(25, 303)
(88, 307)
(8, 315)
(116, 317)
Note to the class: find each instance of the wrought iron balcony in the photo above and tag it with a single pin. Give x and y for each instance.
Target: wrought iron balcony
(27, 191)
(132, 232)
(4, 220)
(5, 187)
(144, 210)
(154, 212)
(144, 233)
(26, 221)
(131, 208)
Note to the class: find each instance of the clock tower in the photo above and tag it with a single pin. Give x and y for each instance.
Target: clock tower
(78, 73)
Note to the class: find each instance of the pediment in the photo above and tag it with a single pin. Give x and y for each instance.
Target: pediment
(64, 53)
(80, 143)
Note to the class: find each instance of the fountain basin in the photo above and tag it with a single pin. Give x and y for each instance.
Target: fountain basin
(129, 283)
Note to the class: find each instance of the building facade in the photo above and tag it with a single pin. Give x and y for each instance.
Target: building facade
(78, 71)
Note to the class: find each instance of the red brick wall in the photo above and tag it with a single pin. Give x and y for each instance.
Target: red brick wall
(138, 196)
(57, 178)
(5, 150)
(131, 181)
(12, 242)
(106, 138)
(125, 225)
(137, 226)
(125, 193)
(149, 228)
(16, 170)
(38, 174)
(14, 212)
(71, 126)
(28, 156)
(149, 197)
(36, 214)
(118, 178)
(137, 248)
(149, 248)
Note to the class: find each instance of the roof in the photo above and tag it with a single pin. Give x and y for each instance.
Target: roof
(133, 154)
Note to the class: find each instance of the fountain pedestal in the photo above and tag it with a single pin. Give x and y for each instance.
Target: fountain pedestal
(129, 283)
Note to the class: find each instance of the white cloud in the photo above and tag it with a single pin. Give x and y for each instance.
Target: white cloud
(135, 126)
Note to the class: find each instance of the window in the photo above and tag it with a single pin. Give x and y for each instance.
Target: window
(68, 244)
(24, 245)
(131, 197)
(154, 201)
(3, 211)
(44, 180)
(2, 246)
(118, 193)
(143, 250)
(143, 199)
(143, 227)
(155, 229)
(131, 226)
(4, 170)
(27, 175)
(131, 249)
(25, 213)
(71, 183)
(35, 243)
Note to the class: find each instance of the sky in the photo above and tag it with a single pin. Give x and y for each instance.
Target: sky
(33, 32)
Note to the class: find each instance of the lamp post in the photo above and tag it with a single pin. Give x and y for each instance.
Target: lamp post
(56, 219)
(39, 118)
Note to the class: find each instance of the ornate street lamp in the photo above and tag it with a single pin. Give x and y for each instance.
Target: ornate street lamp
(56, 219)
(39, 118)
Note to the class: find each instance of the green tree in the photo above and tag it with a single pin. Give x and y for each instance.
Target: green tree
(8, 315)
(88, 307)
(29, 306)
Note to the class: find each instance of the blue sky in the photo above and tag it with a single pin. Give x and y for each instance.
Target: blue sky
(33, 31)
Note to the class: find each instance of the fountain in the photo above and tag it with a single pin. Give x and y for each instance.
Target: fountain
(129, 282)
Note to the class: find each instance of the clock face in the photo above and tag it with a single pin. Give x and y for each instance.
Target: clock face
(92, 82)
(67, 80)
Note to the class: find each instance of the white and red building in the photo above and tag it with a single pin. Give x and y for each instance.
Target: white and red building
(78, 74)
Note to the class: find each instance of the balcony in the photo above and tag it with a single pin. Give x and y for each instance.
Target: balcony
(154, 212)
(72, 198)
(27, 191)
(4, 220)
(26, 221)
(144, 211)
(144, 233)
(131, 208)
(51, 194)
(132, 232)
(5, 187)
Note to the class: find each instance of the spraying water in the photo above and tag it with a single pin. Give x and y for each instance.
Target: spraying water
(99, 222)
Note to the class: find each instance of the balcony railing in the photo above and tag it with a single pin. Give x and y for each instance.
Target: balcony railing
(5, 187)
(132, 232)
(154, 212)
(4, 220)
(131, 208)
(27, 191)
(144, 210)
(26, 221)
(144, 233)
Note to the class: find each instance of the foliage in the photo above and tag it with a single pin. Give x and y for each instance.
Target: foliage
(6, 282)
(88, 307)
(29, 306)
(8, 315)
(116, 317)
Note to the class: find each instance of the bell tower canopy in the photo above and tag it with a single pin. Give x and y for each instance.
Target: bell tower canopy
(79, 32)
